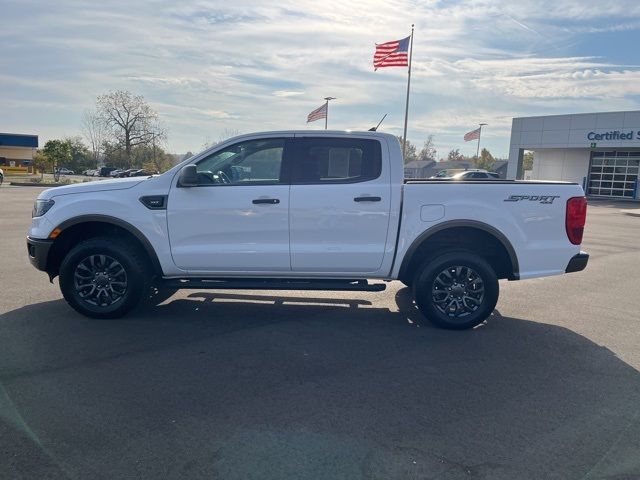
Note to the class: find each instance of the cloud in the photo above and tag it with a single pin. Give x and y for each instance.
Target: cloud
(288, 93)
(207, 66)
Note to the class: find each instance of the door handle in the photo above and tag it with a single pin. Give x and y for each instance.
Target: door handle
(270, 201)
(367, 199)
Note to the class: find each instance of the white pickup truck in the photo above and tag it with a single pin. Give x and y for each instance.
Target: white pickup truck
(302, 210)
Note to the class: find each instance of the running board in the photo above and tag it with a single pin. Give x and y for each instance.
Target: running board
(273, 284)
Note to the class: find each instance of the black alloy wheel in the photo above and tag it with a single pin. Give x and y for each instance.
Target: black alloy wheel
(105, 277)
(456, 290)
(100, 280)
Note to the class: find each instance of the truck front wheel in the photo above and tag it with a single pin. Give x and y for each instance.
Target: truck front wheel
(104, 277)
(456, 290)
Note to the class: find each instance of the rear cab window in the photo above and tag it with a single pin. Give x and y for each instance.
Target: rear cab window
(335, 160)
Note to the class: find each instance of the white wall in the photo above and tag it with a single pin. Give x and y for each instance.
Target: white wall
(17, 153)
(569, 165)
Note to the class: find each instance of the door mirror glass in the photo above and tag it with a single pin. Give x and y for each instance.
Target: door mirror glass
(188, 176)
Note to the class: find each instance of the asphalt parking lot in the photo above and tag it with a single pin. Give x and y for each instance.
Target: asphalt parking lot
(271, 385)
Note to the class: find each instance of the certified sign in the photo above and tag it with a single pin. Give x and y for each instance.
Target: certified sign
(614, 135)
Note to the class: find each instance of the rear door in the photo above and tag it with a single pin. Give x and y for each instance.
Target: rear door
(340, 204)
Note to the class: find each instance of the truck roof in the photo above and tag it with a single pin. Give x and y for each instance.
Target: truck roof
(328, 133)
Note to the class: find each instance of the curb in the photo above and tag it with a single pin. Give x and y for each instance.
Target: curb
(33, 184)
(632, 213)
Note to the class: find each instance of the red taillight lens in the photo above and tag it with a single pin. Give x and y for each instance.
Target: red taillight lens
(576, 217)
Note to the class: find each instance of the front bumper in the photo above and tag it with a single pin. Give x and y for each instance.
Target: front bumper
(578, 262)
(38, 250)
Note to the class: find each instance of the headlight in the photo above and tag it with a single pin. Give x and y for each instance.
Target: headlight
(41, 207)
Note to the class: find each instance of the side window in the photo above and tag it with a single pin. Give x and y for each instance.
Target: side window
(254, 162)
(336, 160)
(478, 175)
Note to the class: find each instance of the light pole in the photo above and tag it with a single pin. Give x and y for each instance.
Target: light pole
(326, 117)
(478, 149)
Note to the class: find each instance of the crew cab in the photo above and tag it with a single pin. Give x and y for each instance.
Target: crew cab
(304, 210)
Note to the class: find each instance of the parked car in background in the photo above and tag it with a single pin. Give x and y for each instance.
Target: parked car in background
(475, 175)
(447, 173)
(115, 173)
(105, 171)
(65, 171)
(141, 173)
(127, 173)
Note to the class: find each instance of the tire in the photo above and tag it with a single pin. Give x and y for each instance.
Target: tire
(117, 270)
(456, 290)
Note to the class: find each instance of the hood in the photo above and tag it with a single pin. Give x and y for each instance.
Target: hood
(93, 186)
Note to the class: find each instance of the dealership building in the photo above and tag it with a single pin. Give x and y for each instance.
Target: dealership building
(16, 152)
(600, 151)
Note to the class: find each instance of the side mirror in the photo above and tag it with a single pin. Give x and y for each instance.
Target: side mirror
(188, 176)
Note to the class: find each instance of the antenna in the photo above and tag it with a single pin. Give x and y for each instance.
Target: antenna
(375, 129)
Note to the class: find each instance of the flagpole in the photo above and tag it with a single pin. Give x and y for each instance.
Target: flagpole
(406, 109)
(479, 134)
(326, 118)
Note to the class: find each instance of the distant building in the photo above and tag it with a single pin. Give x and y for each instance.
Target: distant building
(16, 152)
(500, 167)
(417, 168)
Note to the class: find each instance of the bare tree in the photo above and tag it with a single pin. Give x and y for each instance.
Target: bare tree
(130, 119)
(224, 135)
(157, 143)
(428, 151)
(95, 133)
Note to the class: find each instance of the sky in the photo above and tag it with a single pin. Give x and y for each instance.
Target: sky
(213, 67)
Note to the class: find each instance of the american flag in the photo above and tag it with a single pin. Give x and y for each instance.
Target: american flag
(318, 113)
(392, 54)
(472, 135)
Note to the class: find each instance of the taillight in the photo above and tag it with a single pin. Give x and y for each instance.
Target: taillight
(576, 217)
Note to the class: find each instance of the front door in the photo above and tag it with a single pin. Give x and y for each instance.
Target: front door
(339, 205)
(236, 219)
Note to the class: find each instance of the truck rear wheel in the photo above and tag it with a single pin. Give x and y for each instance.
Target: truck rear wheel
(104, 277)
(456, 290)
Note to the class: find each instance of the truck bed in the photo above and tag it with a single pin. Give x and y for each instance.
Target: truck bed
(493, 182)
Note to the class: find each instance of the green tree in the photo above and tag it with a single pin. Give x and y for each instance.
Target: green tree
(114, 155)
(58, 152)
(81, 157)
(42, 162)
(527, 161)
(485, 161)
(454, 155)
(428, 151)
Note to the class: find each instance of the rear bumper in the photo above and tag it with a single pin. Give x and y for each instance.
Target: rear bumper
(38, 250)
(578, 262)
